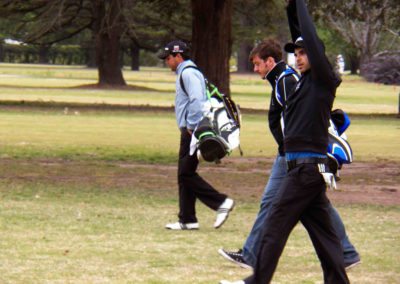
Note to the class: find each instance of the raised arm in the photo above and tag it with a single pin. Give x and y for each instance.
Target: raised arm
(300, 23)
(293, 21)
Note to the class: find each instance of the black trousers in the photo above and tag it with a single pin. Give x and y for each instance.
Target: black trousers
(302, 196)
(191, 185)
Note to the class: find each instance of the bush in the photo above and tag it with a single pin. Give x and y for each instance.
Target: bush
(384, 67)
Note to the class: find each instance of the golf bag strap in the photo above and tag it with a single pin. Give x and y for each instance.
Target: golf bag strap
(181, 79)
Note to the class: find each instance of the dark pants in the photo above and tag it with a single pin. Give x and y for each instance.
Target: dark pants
(301, 196)
(191, 185)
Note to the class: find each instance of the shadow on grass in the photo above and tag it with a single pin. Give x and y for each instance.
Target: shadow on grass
(92, 87)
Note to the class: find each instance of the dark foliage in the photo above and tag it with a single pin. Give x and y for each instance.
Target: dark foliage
(383, 68)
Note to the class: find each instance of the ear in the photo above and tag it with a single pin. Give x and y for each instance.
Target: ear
(271, 60)
(179, 57)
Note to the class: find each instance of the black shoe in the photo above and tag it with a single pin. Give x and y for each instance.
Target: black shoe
(350, 264)
(235, 257)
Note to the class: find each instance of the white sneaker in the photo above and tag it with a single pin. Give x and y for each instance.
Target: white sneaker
(229, 282)
(223, 212)
(182, 226)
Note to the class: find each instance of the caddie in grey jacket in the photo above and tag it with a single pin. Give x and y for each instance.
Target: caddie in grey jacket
(190, 106)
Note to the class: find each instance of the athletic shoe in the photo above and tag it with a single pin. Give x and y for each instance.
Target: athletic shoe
(223, 212)
(350, 264)
(235, 256)
(182, 226)
(229, 282)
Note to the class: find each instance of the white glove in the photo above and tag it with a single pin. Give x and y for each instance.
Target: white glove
(193, 144)
(330, 181)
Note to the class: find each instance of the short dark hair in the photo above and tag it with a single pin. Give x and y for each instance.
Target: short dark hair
(267, 48)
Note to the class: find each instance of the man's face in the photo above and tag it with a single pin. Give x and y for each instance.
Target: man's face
(302, 62)
(261, 66)
(172, 61)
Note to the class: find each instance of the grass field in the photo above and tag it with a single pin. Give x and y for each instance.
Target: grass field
(65, 233)
(42, 83)
(153, 136)
(72, 209)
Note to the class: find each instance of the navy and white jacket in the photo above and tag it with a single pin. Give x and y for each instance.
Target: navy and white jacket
(283, 80)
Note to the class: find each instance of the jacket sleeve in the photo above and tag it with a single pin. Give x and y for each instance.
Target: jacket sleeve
(286, 86)
(293, 20)
(194, 84)
(300, 22)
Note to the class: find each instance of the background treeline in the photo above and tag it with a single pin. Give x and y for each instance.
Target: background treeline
(67, 54)
(113, 33)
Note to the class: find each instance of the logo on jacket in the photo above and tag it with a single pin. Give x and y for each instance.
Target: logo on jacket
(298, 85)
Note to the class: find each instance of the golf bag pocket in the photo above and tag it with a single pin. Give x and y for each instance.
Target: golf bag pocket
(340, 149)
(217, 135)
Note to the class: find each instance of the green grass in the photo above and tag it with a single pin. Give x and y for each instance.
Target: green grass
(51, 83)
(154, 137)
(100, 135)
(88, 221)
(75, 234)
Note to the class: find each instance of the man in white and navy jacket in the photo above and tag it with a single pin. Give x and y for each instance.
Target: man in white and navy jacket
(191, 105)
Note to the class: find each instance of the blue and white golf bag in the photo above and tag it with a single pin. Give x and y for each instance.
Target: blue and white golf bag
(339, 150)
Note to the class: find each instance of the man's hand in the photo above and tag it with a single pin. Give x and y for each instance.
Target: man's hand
(330, 181)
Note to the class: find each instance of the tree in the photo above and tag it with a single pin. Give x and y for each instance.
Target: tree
(45, 22)
(383, 67)
(153, 23)
(361, 23)
(212, 39)
(253, 21)
(108, 27)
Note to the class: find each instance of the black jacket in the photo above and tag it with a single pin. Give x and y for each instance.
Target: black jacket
(285, 86)
(308, 108)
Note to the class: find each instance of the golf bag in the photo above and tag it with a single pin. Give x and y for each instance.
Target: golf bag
(339, 150)
(218, 132)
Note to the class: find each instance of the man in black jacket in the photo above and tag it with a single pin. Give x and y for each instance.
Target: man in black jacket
(302, 194)
(267, 60)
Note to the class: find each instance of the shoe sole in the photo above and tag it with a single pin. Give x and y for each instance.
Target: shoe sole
(352, 265)
(227, 215)
(184, 228)
(224, 255)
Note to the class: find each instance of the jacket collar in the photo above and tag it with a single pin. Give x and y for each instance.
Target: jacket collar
(183, 64)
(274, 74)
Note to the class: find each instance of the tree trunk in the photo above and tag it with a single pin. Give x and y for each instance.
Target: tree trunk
(354, 63)
(212, 40)
(26, 57)
(44, 53)
(1, 51)
(364, 59)
(134, 57)
(243, 63)
(108, 29)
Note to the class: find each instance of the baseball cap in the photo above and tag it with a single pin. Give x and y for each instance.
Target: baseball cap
(173, 47)
(290, 47)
